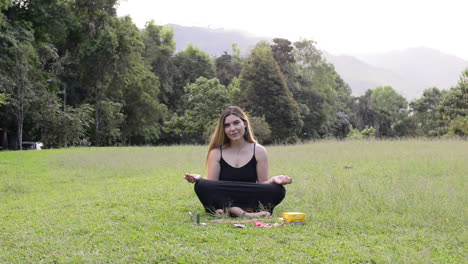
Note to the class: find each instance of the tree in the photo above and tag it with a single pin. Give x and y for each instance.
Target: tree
(228, 66)
(99, 59)
(454, 106)
(341, 126)
(389, 108)
(363, 115)
(426, 114)
(4, 35)
(30, 36)
(189, 64)
(76, 121)
(282, 52)
(3, 99)
(77, 56)
(158, 52)
(206, 99)
(455, 102)
(144, 114)
(320, 91)
(103, 57)
(263, 92)
(20, 69)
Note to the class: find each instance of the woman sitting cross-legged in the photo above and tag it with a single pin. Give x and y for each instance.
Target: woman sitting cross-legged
(238, 181)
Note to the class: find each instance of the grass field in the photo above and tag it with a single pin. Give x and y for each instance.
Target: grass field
(365, 201)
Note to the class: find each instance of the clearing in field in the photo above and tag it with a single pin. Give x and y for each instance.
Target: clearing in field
(365, 201)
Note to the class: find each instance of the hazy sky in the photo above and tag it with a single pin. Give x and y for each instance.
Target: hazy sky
(338, 26)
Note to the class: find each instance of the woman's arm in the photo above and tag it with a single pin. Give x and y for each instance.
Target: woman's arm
(213, 168)
(213, 164)
(262, 168)
(262, 164)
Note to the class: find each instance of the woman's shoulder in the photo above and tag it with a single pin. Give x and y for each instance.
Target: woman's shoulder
(260, 150)
(259, 147)
(215, 153)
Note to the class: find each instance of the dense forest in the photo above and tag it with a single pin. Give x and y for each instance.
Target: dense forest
(72, 73)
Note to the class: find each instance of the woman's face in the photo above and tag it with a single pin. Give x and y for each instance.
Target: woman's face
(234, 127)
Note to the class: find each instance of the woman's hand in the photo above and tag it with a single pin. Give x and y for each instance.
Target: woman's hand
(192, 178)
(281, 179)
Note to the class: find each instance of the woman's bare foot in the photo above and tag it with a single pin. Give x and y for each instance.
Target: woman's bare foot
(219, 212)
(257, 214)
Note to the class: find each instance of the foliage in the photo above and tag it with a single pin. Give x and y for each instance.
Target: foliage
(158, 52)
(263, 92)
(3, 99)
(77, 120)
(455, 102)
(389, 107)
(426, 114)
(189, 64)
(319, 90)
(368, 132)
(261, 128)
(363, 115)
(282, 52)
(4, 4)
(97, 55)
(458, 126)
(341, 126)
(354, 133)
(452, 109)
(20, 69)
(110, 120)
(143, 112)
(60, 59)
(205, 101)
(228, 66)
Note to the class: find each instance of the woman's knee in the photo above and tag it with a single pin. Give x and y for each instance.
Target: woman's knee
(278, 192)
(201, 186)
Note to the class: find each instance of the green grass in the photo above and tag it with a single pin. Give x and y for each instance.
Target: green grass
(365, 201)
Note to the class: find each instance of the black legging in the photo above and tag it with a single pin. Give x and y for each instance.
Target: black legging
(222, 194)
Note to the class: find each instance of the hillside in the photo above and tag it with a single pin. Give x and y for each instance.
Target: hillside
(408, 71)
(428, 66)
(213, 41)
(362, 76)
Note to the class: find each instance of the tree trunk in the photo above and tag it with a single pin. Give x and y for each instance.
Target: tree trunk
(5, 140)
(19, 123)
(96, 118)
(98, 115)
(20, 133)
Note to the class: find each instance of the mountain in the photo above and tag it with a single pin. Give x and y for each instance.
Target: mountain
(408, 71)
(424, 66)
(213, 41)
(361, 76)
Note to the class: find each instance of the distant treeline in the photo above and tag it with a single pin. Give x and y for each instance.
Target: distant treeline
(73, 73)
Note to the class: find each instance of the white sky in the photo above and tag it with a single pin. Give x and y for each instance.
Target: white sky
(338, 26)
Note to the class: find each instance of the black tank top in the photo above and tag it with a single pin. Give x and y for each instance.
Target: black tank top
(246, 173)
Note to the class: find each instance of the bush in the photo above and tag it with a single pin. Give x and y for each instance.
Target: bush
(368, 132)
(458, 126)
(261, 129)
(354, 133)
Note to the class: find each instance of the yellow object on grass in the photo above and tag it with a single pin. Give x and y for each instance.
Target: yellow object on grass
(293, 217)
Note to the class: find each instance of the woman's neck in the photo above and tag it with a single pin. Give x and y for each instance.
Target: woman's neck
(238, 144)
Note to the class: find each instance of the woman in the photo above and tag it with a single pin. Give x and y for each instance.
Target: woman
(238, 181)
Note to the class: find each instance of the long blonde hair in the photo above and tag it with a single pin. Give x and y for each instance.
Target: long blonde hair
(219, 138)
